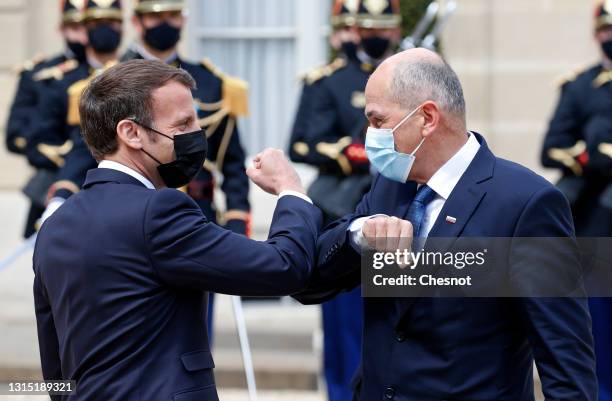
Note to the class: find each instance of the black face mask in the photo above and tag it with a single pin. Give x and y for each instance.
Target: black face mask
(349, 49)
(190, 150)
(162, 37)
(104, 38)
(375, 46)
(78, 50)
(607, 49)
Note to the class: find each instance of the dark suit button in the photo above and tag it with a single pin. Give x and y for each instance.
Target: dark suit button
(400, 336)
(389, 393)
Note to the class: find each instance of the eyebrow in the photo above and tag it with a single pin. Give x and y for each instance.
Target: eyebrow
(184, 119)
(370, 113)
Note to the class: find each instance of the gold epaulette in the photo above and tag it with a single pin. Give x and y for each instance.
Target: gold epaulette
(235, 92)
(603, 78)
(29, 64)
(570, 76)
(321, 72)
(57, 72)
(76, 90)
(74, 97)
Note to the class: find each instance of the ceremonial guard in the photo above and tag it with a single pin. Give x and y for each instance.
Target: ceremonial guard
(34, 77)
(57, 136)
(219, 100)
(579, 143)
(329, 133)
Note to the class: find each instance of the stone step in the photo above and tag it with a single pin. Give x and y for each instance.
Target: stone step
(274, 370)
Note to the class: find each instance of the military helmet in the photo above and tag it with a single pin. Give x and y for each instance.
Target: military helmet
(344, 13)
(72, 11)
(103, 9)
(158, 6)
(377, 14)
(603, 14)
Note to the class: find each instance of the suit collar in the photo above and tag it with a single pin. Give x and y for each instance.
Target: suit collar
(466, 195)
(105, 175)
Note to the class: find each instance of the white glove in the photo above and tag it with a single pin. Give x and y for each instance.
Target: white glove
(52, 206)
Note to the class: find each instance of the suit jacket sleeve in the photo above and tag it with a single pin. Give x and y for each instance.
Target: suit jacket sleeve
(188, 251)
(47, 337)
(338, 266)
(559, 329)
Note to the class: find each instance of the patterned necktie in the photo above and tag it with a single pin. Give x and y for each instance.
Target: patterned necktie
(416, 212)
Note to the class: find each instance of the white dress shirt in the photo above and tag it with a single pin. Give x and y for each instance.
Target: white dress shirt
(442, 182)
(109, 164)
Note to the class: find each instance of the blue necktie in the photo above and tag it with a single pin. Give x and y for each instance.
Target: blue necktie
(416, 212)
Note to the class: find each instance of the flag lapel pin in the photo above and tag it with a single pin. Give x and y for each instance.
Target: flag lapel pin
(451, 219)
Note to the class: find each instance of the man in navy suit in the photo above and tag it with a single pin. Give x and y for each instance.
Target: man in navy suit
(122, 269)
(439, 180)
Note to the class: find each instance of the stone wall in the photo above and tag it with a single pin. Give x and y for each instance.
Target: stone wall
(508, 55)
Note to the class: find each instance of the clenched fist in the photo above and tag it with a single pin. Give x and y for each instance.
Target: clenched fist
(387, 234)
(273, 173)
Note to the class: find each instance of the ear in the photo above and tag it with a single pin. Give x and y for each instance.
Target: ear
(129, 135)
(431, 117)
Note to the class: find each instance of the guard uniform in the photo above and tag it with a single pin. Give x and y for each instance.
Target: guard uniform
(35, 77)
(579, 143)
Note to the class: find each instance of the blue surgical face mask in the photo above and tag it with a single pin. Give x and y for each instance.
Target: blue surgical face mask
(380, 148)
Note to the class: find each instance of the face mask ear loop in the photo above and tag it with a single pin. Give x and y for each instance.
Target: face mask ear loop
(405, 119)
(418, 147)
(151, 156)
(150, 129)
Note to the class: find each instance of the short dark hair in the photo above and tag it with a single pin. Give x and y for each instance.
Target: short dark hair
(122, 92)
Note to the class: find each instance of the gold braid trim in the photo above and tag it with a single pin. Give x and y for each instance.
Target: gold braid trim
(208, 106)
(606, 149)
(236, 214)
(603, 78)
(227, 136)
(213, 118)
(334, 152)
(235, 92)
(567, 156)
(55, 153)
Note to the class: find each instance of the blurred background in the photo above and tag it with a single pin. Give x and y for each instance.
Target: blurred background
(507, 54)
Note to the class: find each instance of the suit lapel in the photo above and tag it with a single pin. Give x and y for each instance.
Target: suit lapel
(461, 205)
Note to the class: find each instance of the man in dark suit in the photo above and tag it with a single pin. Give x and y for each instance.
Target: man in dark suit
(438, 180)
(122, 267)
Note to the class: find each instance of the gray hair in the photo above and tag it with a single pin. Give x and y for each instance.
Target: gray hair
(417, 82)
